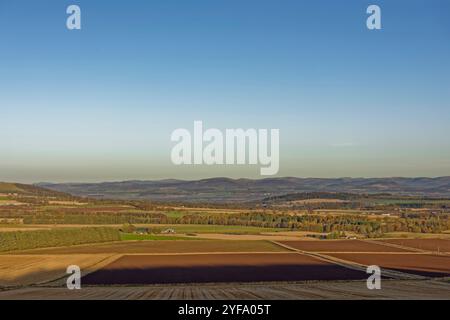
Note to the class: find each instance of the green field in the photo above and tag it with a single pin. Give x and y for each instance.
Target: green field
(206, 228)
(175, 214)
(151, 237)
(169, 246)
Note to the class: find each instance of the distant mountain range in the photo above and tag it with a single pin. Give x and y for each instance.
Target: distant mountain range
(245, 190)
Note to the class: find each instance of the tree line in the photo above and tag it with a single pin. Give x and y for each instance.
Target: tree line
(362, 224)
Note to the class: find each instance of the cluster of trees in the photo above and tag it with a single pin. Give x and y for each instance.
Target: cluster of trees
(95, 218)
(22, 240)
(323, 223)
(326, 223)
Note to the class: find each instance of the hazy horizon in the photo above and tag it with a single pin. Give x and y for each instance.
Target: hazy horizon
(218, 177)
(100, 103)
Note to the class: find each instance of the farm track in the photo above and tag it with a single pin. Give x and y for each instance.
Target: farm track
(351, 264)
(202, 253)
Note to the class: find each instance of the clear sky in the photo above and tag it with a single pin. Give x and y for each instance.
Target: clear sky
(100, 103)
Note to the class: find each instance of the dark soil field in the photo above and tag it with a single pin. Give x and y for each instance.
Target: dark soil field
(155, 269)
(420, 264)
(441, 245)
(340, 246)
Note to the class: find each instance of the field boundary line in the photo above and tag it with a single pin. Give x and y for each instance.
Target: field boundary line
(392, 245)
(344, 263)
(387, 244)
(204, 253)
(373, 252)
(353, 265)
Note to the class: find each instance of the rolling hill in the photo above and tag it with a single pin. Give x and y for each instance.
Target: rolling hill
(244, 190)
(29, 190)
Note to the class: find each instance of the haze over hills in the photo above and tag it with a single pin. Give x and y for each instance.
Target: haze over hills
(243, 190)
(28, 190)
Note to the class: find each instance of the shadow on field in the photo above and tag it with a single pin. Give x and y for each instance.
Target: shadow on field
(233, 273)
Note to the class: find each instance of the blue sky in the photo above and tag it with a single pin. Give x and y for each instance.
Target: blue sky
(100, 103)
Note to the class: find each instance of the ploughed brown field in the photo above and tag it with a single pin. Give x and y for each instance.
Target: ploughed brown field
(162, 247)
(441, 245)
(201, 268)
(420, 264)
(341, 246)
